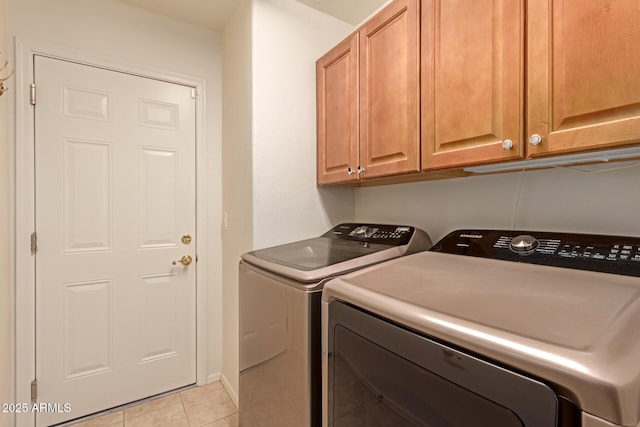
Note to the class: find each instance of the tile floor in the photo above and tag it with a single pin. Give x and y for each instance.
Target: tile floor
(208, 406)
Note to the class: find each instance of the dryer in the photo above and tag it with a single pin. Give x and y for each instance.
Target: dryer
(488, 328)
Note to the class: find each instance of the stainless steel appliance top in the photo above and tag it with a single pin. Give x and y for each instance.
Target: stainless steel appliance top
(569, 323)
(344, 248)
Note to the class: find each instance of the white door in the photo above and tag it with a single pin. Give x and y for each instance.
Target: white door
(115, 193)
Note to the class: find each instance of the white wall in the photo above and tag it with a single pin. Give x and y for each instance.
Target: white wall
(126, 34)
(601, 201)
(269, 53)
(236, 176)
(6, 381)
(288, 38)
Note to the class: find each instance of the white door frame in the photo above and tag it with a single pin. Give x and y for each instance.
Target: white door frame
(24, 273)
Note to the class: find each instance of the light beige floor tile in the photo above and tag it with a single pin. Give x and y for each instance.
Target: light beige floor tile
(198, 393)
(152, 405)
(205, 405)
(102, 421)
(209, 405)
(168, 416)
(231, 421)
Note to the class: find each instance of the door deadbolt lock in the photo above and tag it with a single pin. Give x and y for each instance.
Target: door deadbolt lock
(185, 260)
(186, 239)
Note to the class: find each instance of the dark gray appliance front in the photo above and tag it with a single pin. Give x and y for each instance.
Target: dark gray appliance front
(380, 373)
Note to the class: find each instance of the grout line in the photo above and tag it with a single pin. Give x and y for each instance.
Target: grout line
(184, 408)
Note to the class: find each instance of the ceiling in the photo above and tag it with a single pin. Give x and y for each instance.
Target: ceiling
(214, 14)
(351, 11)
(211, 14)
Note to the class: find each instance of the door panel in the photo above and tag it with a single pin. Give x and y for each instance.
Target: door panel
(87, 331)
(87, 188)
(115, 191)
(389, 91)
(158, 169)
(337, 113)
(584, 60)
(472, 81)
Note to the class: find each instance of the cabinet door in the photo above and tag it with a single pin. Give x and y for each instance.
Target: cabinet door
(472, 81)
(389, 91)
(337, 113)
(583, 74)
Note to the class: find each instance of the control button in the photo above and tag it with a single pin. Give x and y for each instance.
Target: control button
(363, 231)
(523, 244)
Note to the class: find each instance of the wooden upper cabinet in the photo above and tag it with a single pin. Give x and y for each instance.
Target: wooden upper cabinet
(472, 65)
(337, 113)
(583, 74)
(389, 91)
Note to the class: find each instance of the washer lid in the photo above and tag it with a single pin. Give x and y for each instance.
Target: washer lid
(314, 259)
(342, 249)
(316, 253)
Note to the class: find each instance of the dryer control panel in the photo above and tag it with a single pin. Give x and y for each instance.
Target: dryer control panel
(593, 252)
(382, 234)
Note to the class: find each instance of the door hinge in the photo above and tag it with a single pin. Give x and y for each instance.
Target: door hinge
(34, 390)
(34, 242)
(194, 93)
(32, 93)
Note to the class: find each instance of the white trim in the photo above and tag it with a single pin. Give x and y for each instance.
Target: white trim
(230, 391)
(24, 196)
(12, 244)
(213, 378)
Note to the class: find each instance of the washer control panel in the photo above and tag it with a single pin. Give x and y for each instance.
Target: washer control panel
(391, 235)
(593, 252)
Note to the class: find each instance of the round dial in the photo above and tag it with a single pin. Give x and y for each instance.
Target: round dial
(523, 244)
(361, 231)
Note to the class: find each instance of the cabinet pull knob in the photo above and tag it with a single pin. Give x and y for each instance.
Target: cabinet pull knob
(507, 144)
(360, 169)
(535, 139)
(350, 171)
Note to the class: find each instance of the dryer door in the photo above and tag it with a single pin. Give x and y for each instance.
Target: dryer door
(379, 371)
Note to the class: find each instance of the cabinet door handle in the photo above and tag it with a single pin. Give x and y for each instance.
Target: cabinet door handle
(350, 171)
(535, 139)
(507, 144)
(360, 169)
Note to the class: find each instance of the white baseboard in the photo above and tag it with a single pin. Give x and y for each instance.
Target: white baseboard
(230, 391)
(213, 378)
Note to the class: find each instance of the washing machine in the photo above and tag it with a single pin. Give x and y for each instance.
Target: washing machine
(488, 328)
(280, 291)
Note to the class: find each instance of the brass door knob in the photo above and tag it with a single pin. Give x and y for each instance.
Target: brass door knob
(185, 260)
